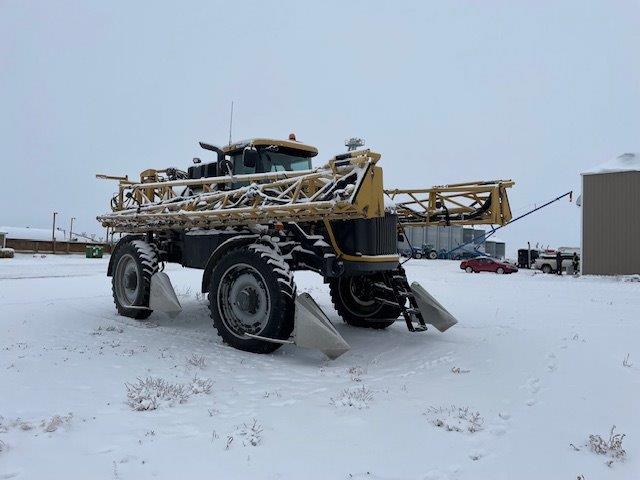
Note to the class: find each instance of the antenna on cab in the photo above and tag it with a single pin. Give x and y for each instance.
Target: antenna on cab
(230, 123)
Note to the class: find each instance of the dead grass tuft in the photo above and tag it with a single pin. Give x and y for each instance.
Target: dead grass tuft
(359, 398)
(197, 361)
(151, 392)
(611, 448)
(54, 423)
(455, 419)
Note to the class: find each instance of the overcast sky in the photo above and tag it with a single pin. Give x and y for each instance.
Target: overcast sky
(447, 91)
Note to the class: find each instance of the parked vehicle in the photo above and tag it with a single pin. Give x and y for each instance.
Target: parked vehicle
(427, 251)
(487, 264)
(547, 262)
(523, 257)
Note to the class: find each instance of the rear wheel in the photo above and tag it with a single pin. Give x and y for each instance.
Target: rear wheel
(252, 291)
(546, 268)
(134, 264)
(354, 298)
(433, 255)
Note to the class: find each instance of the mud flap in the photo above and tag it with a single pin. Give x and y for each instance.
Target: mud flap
(314, 330)
(432, 311)
(162, 297)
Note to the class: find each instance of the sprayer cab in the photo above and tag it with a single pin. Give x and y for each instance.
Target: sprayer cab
(257, 155)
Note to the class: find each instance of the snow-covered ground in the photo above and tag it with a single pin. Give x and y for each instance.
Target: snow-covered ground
(538, 361)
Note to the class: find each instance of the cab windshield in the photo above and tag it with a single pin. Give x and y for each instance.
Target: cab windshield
(276, 162)
(272, 161)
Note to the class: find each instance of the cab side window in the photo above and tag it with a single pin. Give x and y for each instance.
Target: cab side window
(238, 165)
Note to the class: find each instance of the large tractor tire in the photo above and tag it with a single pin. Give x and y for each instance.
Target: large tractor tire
(354, 299)
(134, 264)
(252, 291)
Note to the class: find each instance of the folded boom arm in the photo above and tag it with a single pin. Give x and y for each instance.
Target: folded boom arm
(472, 203)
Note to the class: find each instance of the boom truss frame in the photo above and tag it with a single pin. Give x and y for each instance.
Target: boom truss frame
(470, 203)
(349, 186)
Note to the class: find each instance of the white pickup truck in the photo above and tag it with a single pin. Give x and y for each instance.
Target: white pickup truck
(548, 264)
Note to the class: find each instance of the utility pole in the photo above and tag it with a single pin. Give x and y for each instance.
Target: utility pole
(53, 234)
(70, 234)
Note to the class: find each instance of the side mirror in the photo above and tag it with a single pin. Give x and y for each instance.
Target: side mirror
(250, 157)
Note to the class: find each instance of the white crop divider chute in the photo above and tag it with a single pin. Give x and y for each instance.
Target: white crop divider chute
(312, 329)
(432, 311)
(162, 297)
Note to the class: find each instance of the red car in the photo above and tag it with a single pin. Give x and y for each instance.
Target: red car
(486, 264)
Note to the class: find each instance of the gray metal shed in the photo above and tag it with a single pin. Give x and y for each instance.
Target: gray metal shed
(611, 217)
(443, 238)
(495, 248)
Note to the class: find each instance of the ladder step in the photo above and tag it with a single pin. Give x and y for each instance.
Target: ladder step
(402, 292)
(381, 286)
(384, 301)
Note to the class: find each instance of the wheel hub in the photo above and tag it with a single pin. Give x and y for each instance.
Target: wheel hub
(127, 280)
(248, 300)
(361, 290)
(130, 280)
(358, 295)
(243, 299)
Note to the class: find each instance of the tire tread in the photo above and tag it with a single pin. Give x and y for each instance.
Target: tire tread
(146, 255)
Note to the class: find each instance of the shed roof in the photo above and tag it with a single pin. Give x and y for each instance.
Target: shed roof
(494, 239)
(28, 233)
(627, 162)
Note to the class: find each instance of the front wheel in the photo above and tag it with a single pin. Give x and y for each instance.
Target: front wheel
(417, 255)
(354, 298)
(468, 270)
(500, 271)
(433, 255)
(252, 291)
